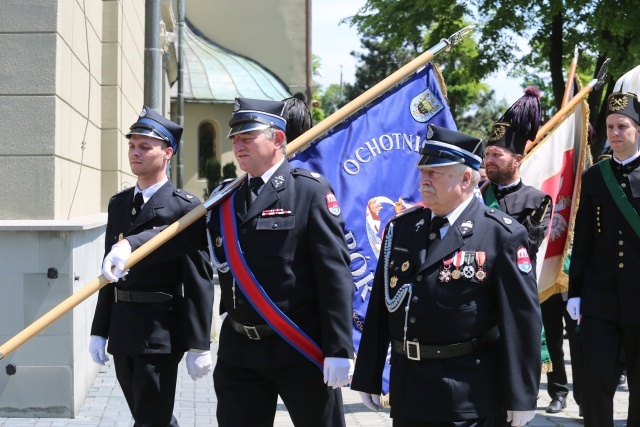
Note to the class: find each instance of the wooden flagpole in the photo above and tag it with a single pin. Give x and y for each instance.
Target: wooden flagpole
(219, 196)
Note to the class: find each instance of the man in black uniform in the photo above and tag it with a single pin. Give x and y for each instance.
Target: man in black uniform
(605, 264)
(153, 314)
(290, 232)
(531, 208)
(455, 294)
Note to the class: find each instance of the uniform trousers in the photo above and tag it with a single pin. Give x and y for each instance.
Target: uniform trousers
(495, 421)
(249, 397)
(148, 382)
(554, 318)
(602, 342)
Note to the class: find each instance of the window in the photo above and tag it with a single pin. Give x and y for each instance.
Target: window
(206, 146)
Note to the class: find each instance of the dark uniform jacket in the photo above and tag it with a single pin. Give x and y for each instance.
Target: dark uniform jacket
(177, 325)
(521, 202)
(605, 263)
(300, 258)
(495, 376)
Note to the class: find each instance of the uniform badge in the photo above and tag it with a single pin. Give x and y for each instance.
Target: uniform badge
(218, 241)
(445, 274)
(405, 266)
(391, 264)
(419, 224)
(466, 227)
(480, 260)
(393, 282)
(432, 235)
(188, 196)
(332, 204)
(278, 181)
(522, 259)
(468, 271)
(507, 221)
(315, 174)
(133, 211)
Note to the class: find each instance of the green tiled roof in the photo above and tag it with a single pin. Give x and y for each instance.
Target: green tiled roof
(217, 75)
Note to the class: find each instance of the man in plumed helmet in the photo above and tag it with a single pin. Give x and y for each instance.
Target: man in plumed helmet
(604, 295)
(151, 316)
(278, 244)
(455, 295)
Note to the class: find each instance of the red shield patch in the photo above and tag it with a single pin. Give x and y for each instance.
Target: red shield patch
(332, 204)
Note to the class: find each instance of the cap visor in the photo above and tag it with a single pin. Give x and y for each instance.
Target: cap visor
(147, 132)
(246, 127)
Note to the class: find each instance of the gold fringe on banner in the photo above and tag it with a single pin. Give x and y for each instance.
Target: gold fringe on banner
(441, 83)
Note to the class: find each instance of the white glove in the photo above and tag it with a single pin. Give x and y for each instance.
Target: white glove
(371, 401)
(520, 418)
(336, 371)
(198, 363)
(573, 307)
(118, 256)
(97, 347)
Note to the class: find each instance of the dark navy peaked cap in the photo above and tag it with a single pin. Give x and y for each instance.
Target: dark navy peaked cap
(255, 114)
(156, 126)
(445, 147)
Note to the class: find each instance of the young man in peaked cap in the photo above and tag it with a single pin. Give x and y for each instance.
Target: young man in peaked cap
(290, 236)
(151, 316)
(605, 264)
(455, 295)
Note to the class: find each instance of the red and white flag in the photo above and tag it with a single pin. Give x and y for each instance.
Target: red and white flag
(555, 166)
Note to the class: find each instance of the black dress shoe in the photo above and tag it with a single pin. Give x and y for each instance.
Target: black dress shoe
(557, 404)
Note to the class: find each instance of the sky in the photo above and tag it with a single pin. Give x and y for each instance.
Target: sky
(333, 43)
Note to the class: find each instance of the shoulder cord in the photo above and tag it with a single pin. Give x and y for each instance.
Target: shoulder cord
(222, 267)
(394, 303)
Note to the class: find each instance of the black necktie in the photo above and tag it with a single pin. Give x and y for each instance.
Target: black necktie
(254, 184)
(437, 222)
(138, 201)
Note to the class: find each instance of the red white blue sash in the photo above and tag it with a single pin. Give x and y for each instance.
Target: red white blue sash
(256, 295)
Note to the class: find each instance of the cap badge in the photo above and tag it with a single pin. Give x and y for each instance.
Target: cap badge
(497, 131)
(332, 204)
(617, 102)
(425, 106)
(143, 112)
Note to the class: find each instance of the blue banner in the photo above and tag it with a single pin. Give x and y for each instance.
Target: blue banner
(370, 160)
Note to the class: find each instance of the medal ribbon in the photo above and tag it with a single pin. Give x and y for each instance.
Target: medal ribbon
(256, 295)
(458, 259)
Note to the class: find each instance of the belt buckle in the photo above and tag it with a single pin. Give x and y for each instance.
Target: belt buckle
(413, 350)
(251, 332)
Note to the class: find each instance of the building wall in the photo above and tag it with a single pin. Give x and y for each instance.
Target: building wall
(272, 32)
(194, 115)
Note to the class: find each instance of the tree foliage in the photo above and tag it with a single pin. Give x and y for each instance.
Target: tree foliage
(535, 38)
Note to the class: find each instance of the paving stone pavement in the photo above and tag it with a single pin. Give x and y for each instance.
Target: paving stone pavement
(196, 402)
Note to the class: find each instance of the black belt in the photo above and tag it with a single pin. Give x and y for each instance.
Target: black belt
(146, 297)
(257, 332)
(254, 332)
(417, 351)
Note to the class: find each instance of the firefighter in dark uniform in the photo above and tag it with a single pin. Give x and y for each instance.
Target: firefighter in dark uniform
(605, 265)
(291, 234)
(153, 314)
(455, 295)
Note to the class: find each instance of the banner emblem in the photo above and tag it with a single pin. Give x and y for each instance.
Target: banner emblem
(425, 106)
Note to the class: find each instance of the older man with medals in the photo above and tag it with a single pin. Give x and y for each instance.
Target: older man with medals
(455, 295)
